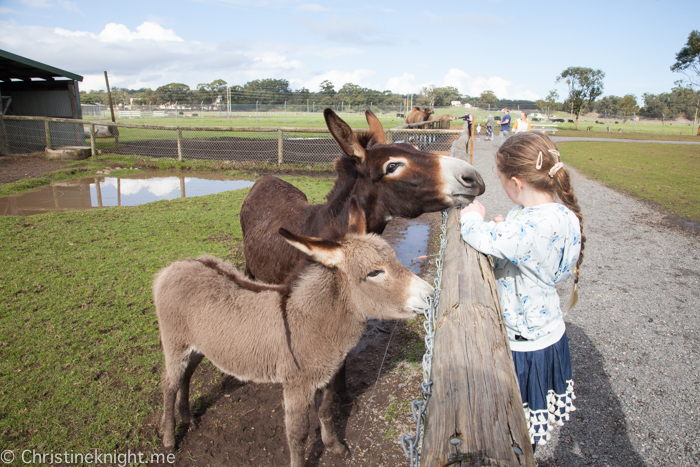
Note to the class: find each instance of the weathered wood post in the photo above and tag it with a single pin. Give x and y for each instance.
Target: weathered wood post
(179, 144)
(47, 130)
(93, 144)
(475, 414)
(280, 142)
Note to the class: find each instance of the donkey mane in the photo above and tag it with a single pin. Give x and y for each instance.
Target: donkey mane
(236, 277)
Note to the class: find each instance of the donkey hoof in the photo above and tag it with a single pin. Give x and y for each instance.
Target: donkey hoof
(337, 448)
(169, 441)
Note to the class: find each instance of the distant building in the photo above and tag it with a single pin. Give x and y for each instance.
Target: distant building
(30, 88)
(456, 103)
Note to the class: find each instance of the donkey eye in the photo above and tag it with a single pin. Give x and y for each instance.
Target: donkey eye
(375, 273)
(391, 168)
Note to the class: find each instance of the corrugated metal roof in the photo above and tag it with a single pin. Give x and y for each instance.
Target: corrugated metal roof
(16, 67)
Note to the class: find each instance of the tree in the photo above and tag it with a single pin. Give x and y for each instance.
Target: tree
(487, 99)
(210, 92)
(688, 63)
(688, 60)
(585, 86)
(173, 92)
(628, 105)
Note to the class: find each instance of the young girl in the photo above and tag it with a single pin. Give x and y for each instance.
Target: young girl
(538, 244)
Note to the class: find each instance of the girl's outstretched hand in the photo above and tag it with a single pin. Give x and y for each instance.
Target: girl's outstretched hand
(475, 206)
(499, 218)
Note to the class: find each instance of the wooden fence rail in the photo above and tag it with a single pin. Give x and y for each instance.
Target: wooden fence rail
(475, 414)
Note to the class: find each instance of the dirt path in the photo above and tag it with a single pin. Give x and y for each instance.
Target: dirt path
(16, 167)
(634, 335)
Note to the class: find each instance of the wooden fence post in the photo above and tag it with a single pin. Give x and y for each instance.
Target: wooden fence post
(179, 144)
(280, 143)
(48, 134)
(475, 413)
(93, 144)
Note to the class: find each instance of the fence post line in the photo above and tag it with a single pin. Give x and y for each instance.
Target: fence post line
(280, 143)
(179, 144)
(48, 134)
(93, 145)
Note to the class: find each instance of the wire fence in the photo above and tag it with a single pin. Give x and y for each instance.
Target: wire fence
(19, 135)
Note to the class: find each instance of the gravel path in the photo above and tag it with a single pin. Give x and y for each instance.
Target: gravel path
(634, 334)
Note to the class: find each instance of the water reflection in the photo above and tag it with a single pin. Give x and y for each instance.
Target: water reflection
(413, 245)
(90, 193)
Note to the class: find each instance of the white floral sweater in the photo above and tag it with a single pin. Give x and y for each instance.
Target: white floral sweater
(533, 249)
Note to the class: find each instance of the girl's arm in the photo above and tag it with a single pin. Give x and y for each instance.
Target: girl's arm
(499, 239)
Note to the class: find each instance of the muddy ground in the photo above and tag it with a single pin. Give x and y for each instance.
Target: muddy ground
(243, 424)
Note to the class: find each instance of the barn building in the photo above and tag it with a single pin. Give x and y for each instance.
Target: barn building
(31, 88)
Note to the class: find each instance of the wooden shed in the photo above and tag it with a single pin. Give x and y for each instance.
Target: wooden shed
(31, 88)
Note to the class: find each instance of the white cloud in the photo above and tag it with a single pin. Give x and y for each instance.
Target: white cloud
(456, 78)
(6, 11)
(149, 56)
(114, 32)
(149, 31)
(402, 84)
(503, 88)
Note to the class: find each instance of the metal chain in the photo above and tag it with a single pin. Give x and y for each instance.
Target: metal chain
(418, 407)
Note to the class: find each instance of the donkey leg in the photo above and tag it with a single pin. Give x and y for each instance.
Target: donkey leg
(183, 394)
(341, 387)
(297, 402)
(325, 416)
(172, 375)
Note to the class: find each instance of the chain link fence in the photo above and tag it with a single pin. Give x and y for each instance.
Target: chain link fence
(274, 145)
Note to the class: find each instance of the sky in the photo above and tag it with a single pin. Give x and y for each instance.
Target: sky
(515, 48)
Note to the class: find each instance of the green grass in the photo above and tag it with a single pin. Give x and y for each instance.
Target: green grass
(80, 360)
(662, 173)
(628, 136)
(272, 120)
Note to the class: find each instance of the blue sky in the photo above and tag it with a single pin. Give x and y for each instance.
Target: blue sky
(515, 48)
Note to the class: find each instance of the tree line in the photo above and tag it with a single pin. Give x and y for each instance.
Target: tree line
(268, 91)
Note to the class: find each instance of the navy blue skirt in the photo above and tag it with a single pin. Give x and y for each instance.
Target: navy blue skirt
(546, 387)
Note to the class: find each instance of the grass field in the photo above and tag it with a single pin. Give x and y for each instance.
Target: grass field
(80, 358)
(666, 174)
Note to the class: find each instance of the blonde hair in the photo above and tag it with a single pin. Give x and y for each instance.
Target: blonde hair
(534, 158)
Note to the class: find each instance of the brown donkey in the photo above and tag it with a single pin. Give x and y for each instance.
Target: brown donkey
(296, 334)
(388, 180)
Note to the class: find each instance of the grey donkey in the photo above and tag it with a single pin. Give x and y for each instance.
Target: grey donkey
(297, 333)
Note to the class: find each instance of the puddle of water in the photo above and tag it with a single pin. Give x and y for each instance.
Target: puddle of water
(97, 192)
(413, 245)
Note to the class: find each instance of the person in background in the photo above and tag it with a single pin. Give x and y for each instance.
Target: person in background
(505, 125)
(537, 245)
(489, 128)
(478, 132)
(521, 124)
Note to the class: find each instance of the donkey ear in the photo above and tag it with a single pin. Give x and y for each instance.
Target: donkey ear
(344, 135)
(375, 128)
(356, 219)
(322, 251)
